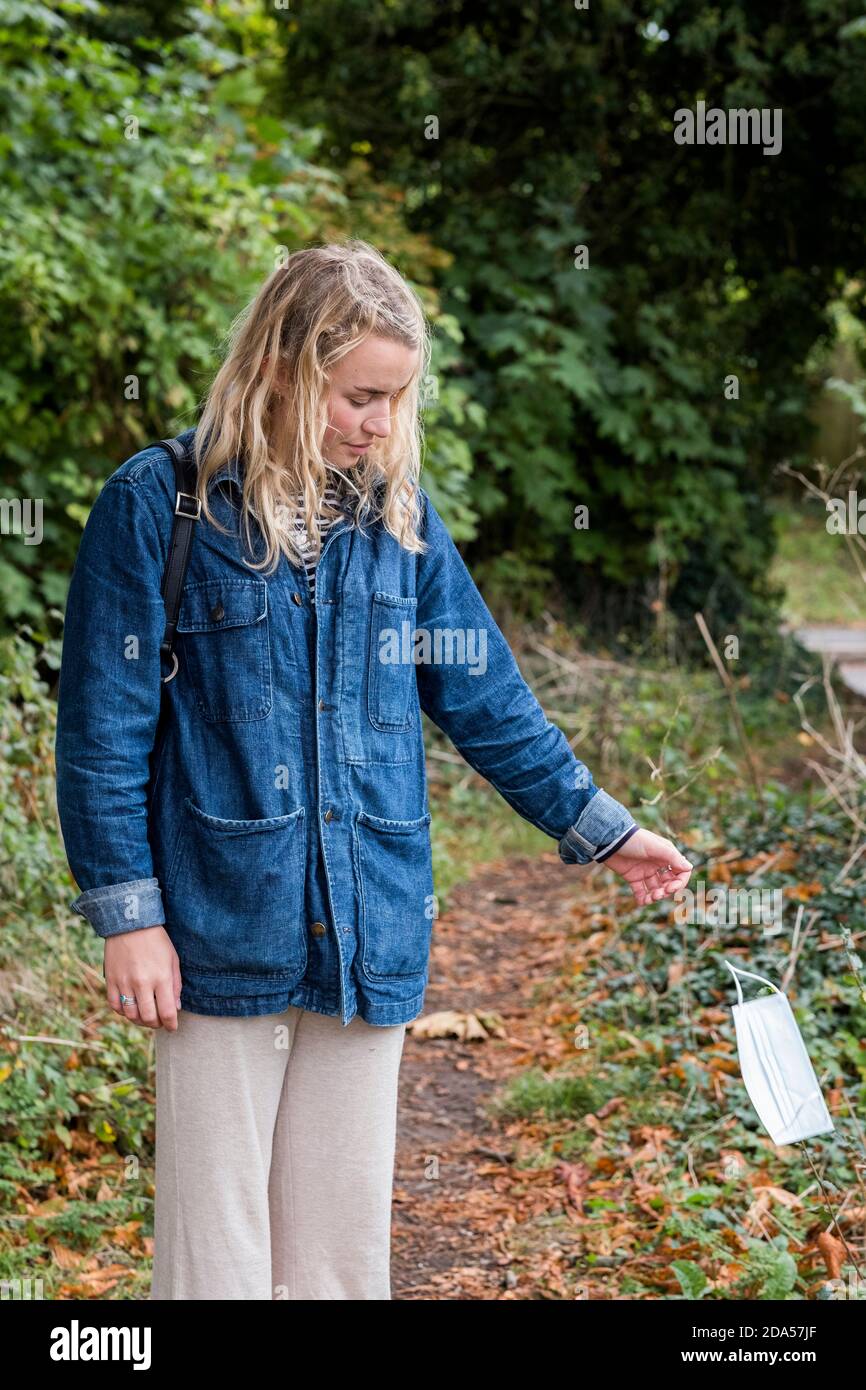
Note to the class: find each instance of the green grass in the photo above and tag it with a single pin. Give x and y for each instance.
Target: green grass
(816, 569)
(472, 825)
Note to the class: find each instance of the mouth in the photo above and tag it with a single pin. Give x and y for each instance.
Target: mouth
(358, 448)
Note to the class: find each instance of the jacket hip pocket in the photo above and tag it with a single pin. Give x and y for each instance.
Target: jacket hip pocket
(395, 876)
(225, 648)
(235, 895)
(392, 690)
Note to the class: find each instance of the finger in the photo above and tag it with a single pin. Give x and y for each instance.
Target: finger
(665, 879)
(125, 1008)
(654, 886)
(676, 860)
(673, 885)
(176, 981)
(166, 1003)
(653, 883)
(147, 1011)
(678, 881)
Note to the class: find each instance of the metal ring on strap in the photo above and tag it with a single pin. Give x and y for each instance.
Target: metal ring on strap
(171, 677)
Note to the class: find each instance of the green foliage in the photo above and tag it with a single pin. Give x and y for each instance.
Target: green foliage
(129, 228)
(606, 386)
(68, 1095)
(149, 188)
(691, 1277)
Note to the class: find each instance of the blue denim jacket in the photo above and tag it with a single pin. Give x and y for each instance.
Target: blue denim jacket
(269, 804)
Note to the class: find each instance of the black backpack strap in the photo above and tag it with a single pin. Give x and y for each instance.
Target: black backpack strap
(187, 509)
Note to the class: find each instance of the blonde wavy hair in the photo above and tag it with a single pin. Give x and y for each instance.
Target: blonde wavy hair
(268, 405)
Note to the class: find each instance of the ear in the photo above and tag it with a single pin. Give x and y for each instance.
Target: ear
(280, 379)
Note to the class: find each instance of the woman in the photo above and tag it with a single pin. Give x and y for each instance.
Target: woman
(251, 837)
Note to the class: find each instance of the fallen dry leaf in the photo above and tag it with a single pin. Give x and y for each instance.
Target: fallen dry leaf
(832, 1252)
(450, 1024)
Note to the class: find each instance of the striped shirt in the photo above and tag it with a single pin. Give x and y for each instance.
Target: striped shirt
(333, 497)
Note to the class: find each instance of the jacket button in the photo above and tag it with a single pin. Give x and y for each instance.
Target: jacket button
(329, 815)
(322, 705)
(217, 612)
(318, 929)
(296, 598)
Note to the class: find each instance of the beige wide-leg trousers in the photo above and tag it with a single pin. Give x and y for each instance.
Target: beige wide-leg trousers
(275, 1142)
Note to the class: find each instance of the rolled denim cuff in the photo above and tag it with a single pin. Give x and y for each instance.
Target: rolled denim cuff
(617, 845)
(601, 827)
(121, 907)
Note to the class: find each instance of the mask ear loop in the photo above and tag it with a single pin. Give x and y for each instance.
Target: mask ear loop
(738, 968)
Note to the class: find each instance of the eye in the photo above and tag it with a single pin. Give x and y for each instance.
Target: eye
(367, 402)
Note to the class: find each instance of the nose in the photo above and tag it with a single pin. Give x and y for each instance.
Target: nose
(378, 425)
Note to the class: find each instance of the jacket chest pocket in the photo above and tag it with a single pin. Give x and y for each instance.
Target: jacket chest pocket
(391, 682)
(225, 649)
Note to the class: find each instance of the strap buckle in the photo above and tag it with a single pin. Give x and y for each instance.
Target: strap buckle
(189, 497)
(171, 676)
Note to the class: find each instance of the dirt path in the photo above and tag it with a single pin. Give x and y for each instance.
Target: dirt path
(459, 1196)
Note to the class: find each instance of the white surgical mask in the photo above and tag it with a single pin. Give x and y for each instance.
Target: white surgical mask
(775, 1065)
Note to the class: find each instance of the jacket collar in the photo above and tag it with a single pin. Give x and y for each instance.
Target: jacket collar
(230, 472)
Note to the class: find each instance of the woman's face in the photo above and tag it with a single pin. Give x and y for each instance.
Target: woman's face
(364, 388)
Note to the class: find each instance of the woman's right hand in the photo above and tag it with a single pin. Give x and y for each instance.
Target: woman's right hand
(143, 964)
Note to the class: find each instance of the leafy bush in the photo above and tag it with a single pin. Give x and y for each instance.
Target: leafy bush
(521, 137)
(129, 229)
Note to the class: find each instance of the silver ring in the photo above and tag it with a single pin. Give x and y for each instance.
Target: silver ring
(172, 675)
(127, 998)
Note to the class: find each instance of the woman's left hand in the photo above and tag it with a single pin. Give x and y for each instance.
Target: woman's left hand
(651, 865)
